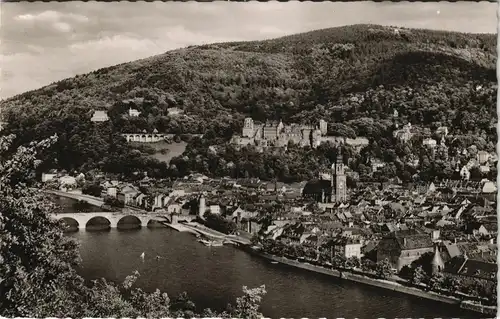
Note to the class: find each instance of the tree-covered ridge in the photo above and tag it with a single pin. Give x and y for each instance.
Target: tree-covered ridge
(354, 77)
(279, 77)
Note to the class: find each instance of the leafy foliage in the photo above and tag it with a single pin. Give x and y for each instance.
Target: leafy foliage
(93, 189)
(113, 202)
(219, 223)
(383, 269)
(418, 276)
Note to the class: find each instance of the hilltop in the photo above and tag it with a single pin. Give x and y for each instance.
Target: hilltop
(353, 76)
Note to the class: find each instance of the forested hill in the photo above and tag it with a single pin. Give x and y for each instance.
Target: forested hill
(354, 76)
(294, 77)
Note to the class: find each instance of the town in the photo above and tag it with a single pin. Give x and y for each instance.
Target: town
(290, 160)
(438, 236)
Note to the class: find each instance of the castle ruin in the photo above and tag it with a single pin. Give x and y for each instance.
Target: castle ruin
(274, 134)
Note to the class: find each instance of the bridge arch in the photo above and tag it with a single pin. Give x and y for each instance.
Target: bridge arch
(154, 223)
(98, 223)
(129, 222)
(71, 223)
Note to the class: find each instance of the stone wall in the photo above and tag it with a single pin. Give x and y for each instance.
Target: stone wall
(362, 279)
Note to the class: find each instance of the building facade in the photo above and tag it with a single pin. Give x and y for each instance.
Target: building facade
(277, 134)
(402, 248)
(100, 116)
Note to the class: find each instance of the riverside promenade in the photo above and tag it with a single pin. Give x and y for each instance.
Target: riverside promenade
(208, 232)
(180, 228)
(385, 284)
(199, 229)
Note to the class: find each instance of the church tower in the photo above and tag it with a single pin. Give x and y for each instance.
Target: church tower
(323, 127)
(395, 115)
(202, 207)
(437, 262)
(339, 185)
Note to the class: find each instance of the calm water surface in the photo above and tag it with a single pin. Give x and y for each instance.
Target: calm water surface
(214, 276)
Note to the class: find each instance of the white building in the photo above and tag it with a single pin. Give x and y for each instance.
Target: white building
(100, 116)
(67, 180)
(443, 131)
(214, 209)
(429, 142)
(352, 250)
(489, 187)
(465, 173)
(376, 164)
(483, 157)
(485, 169)
(201, 208)
(405, 134)
(48, 176)
(112, 191)
(133, 112)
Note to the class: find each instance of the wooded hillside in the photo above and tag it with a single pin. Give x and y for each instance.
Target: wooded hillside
(354, 77)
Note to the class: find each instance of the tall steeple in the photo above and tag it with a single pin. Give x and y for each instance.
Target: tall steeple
(437, 261)
(201, 207)
(339, 187)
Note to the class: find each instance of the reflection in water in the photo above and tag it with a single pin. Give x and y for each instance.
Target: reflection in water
(129, 222)
(214, 276)
(98, 223)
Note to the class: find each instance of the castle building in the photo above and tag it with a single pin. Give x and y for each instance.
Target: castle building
(332, 190)
(405, 134)
(278, 134)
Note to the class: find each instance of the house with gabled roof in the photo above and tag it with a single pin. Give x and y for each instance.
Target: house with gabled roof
(487, 229)
(345, 247)
(127, 194)
(403, 247)
(463, 267)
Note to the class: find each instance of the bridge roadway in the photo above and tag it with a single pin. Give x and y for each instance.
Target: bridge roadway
(92, 200)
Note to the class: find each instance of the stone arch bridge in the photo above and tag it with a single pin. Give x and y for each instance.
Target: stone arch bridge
(113, 218)
(146, 138)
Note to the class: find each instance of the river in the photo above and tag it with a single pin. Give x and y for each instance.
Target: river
(214, 276)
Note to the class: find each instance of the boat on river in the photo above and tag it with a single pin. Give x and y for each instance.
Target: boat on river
(211, 243)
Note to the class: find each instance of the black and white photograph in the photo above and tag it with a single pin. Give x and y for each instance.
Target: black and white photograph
(248, 160)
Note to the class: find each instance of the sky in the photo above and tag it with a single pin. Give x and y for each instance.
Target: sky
(46, 42)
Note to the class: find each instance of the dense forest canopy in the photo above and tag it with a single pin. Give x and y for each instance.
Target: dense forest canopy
(354, 77)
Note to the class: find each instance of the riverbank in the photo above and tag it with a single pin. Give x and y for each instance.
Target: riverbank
(180, 228)
(385, 284)
(214, 276)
